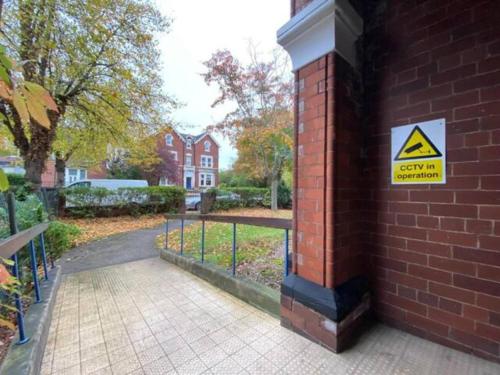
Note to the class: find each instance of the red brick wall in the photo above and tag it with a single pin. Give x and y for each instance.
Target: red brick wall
(435, 249)
(328, 223)
(49, 174)
(177, 146)
(199, 149)
(98, 172)
(310, 173)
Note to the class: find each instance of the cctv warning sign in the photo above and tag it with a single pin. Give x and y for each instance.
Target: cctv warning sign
(418, 153)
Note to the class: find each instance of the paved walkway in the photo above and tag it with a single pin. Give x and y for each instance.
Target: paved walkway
(149, 317)
(116, 249)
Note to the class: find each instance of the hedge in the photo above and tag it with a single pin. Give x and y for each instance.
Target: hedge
(16, 179)
(98, 202)
(250, 197)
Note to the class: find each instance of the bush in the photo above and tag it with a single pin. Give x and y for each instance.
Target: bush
(284, 195)
(225, 204)
(15, 179)
(91, 202)
(251, 197)
(30, 212)
(59, 238)
(19, 186)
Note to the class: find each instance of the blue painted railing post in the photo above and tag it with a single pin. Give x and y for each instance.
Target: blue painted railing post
(166, 235)
(11, 209)
(44, 256)
(19, 305)
(203, 241)
(34, 271)
(234, 250)
(286, 252)
(182, 236)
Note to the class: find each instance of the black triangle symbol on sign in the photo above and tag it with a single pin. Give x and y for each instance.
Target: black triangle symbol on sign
(417, 146)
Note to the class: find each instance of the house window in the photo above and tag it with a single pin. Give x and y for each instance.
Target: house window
(206, 179)
(207, 146)
(174, 155)
(189, 160)
(75, 174)
(207, 161)
(169, 140)
(188, 143)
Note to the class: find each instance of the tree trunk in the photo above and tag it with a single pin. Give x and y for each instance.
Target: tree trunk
(274, 192)
(37, 151)
(60, 171)
(34, 169)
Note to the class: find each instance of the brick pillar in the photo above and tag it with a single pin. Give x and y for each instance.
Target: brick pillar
(326, 295)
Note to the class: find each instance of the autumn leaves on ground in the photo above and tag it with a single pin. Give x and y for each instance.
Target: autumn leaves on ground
(259, 250)
(93, 229)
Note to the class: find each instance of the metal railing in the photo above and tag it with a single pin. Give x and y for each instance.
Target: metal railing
(285, 224)
(9, 248)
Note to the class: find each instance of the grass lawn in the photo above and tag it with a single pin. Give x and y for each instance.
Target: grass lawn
(259, 250)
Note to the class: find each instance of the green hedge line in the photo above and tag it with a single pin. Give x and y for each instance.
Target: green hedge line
(95, 202)
(250, 197)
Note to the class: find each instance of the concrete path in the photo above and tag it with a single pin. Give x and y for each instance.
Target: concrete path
(117, 249)
(150, 317)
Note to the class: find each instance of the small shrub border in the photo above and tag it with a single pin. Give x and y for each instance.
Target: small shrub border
(250, 197)
(85, 202)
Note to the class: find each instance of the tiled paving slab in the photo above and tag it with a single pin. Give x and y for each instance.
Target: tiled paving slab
(149, 317)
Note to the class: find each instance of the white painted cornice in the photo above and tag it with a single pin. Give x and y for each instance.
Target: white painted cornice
(321, 27)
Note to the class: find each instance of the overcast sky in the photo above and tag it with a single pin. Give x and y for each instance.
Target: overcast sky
(200, 27)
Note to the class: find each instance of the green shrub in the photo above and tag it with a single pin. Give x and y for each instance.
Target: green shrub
(249, 196)
(90, 202)
(284, 195)
(16, 179)
(59, 238)
(29, 212)
(19, 186)
(252, 197)
(226, 204)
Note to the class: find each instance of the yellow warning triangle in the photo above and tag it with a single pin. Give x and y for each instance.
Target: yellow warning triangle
(417, 146)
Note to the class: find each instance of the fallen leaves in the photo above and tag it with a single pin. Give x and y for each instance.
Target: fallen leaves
(98, 228)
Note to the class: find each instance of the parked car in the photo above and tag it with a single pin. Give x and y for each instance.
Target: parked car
(193, 202)
(109, 183)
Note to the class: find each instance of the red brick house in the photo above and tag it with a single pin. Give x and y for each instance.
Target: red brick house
(423, 257)
(198, 158)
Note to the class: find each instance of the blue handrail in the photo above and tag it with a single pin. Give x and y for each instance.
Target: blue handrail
(9, 248)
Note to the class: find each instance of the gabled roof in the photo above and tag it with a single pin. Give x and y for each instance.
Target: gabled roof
(195, 138)
(201, 136)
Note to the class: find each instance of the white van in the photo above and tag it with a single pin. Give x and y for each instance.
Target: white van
(110, 184)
